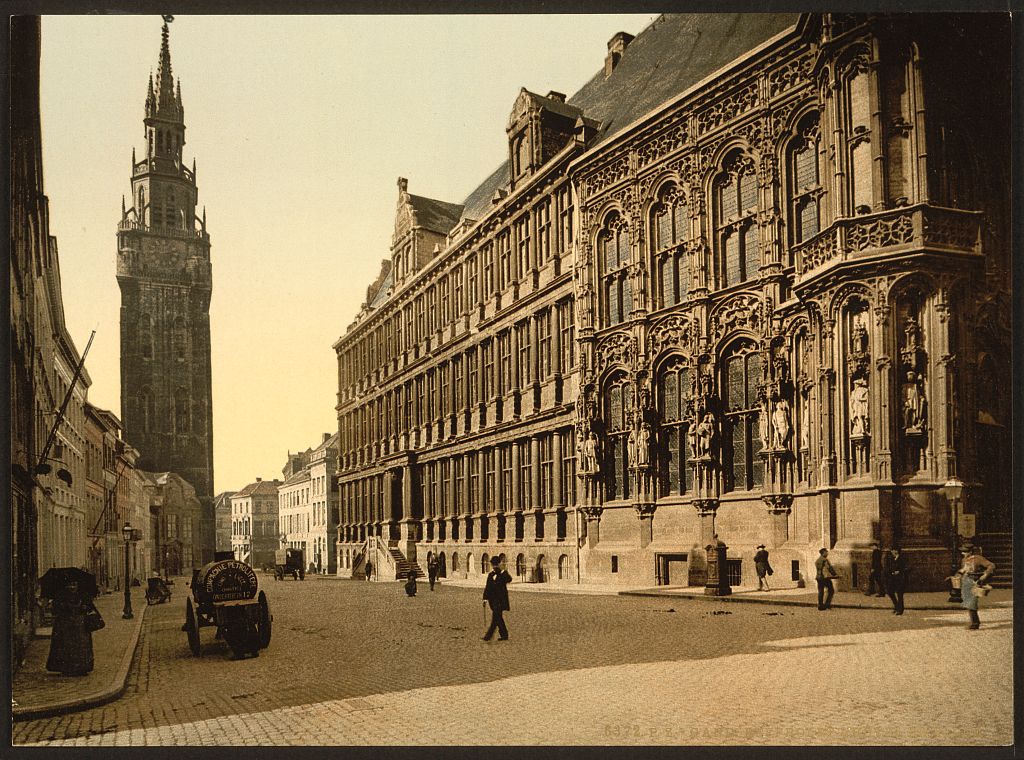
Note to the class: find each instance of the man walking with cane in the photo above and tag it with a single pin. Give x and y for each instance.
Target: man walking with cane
(496, 596)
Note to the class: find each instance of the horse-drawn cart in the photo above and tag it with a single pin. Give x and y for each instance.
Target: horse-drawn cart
(225, 596)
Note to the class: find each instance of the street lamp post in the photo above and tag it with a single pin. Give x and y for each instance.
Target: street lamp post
(128, 533)
(954, 489)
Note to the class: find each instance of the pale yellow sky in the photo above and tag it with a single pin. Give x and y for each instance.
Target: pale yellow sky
(300, 126)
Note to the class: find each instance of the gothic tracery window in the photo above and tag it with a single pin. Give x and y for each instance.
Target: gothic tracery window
(857, 91)
(673, 385)
(742, 467)
(669, 223)
(737, 234)
(613, 252)
(179, 339)
(805, 181)
(618, 410)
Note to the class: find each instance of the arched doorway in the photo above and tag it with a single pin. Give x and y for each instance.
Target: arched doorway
(563, 567)
(542, 569)
(520, 566)
(442, 566)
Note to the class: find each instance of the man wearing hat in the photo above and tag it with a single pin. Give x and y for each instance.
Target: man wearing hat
(762, 567)
(875, 578)
(496, 595)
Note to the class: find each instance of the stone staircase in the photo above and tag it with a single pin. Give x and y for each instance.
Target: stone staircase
(998, 549)
(403, 566)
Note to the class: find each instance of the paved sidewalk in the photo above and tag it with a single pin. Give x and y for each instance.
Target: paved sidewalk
(808, 597)
(38, 693)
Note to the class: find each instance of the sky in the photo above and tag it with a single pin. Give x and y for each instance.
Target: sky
(300, 127)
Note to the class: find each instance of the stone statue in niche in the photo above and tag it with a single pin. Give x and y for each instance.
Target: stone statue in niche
(859, 338)
(859, 408)
(631, 446)
(643, 445)
(913, 404)
(705, 436)
(691, 439)
(763, 423)
(588, 454)
(780, 424)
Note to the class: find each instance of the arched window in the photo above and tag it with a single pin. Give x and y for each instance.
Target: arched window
(673, 386)
(563, 567)
(742, 467)
(179, 339)
(618, 411)
(858, 126)
(520, 566)
(455, 562)
(805, 181)
(738, 237)
(669, 231)
(181, 415)
(469, 563)
(146, 336)
(613, 252)
(485, 562)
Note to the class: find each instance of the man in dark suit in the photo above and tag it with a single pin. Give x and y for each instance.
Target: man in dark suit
(875, 579)
(825, 575)
(496, 595)
(896, 578)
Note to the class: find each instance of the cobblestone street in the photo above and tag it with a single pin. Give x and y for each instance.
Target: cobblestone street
(360, 663)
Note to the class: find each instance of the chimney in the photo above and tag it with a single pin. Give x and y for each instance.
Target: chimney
(259, 480)
(616, 47)
(326, 437)
(559, 96)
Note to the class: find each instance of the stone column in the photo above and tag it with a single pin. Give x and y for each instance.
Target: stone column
(882, 417)
(556, 469)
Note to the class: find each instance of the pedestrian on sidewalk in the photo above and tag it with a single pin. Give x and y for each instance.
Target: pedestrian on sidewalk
(71, 638)
(431, 569)
(875, 586)
(896, 578)
(496, 596)
(763, 568)
(826, 573)
(369, 569)
(973, 574)
(410, 585)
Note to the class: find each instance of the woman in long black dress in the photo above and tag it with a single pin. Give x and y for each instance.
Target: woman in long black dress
(71, 640)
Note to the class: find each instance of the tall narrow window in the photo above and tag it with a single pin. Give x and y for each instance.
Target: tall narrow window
(673, 386)
(805, 181)
(567, 337)
(523, 360)
(179, 339)
(669, 220)
(544, 343)
(146, 336)
(740, 440)
(568, 455)
(543, 232)
(525, 475)
(181, 411)
(618, 412)
(505, 274)
(738, 236)
(523, 263)
(547, 466)
(565, 210)
(613, 249)
(858, 109)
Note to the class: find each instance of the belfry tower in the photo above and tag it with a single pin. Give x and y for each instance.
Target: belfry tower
(163, 271)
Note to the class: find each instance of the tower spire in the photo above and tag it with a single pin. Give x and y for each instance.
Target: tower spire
(167, 104)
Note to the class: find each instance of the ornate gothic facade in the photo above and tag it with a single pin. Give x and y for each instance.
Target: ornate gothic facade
(764, 295)
(163, 270)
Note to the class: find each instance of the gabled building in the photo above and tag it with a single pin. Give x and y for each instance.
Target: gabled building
(308, 505)
(254, 524)
(758, 289)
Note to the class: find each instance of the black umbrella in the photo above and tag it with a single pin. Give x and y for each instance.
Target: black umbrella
(56, 579)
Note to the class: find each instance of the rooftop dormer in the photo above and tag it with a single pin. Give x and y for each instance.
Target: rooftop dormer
(538, 128)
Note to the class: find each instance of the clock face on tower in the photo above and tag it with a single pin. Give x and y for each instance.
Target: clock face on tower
(166, 388)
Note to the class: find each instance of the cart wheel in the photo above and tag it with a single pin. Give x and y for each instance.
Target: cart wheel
(263, 626)
(302, 575)
(192, 628)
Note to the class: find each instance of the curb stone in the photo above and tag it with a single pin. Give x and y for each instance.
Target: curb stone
(97, 698)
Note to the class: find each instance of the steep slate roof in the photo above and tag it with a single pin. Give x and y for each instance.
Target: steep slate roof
(260, 488)
(382, 292)
(435, 215)
(672, 54)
